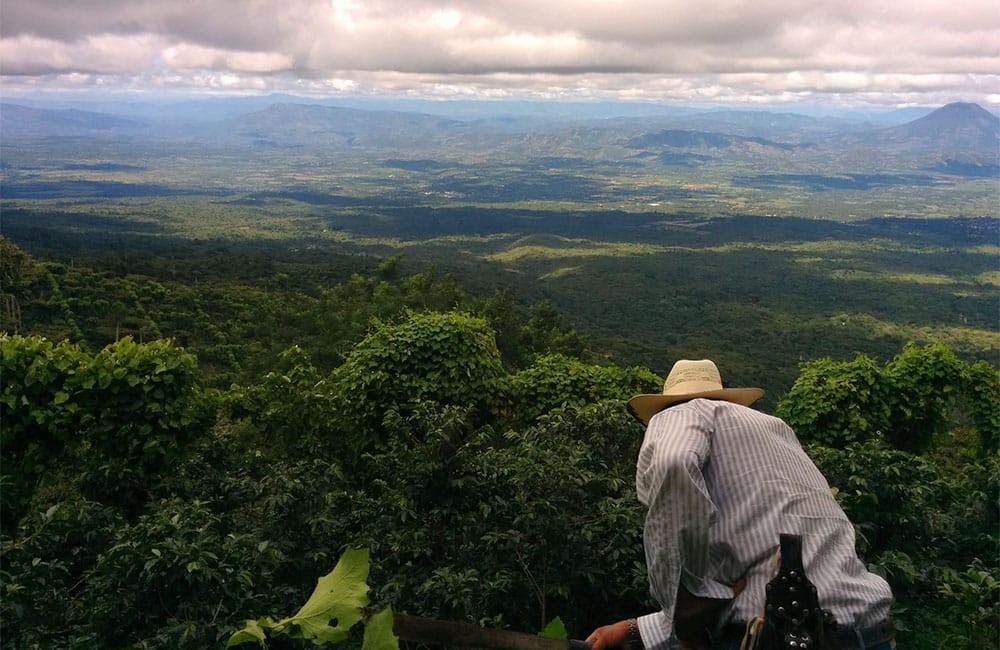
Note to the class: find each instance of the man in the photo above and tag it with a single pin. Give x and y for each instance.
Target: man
(720, 482)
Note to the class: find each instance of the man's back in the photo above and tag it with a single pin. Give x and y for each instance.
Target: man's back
(745, 475)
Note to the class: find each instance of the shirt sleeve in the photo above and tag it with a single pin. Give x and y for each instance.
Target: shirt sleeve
(680, 511)
(656, 633)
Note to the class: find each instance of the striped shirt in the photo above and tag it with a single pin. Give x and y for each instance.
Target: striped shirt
(720, 482)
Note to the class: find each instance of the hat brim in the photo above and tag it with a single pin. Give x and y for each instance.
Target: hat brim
(644, 407)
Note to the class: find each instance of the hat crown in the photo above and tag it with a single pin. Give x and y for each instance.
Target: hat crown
(692, 376)
(689, 380)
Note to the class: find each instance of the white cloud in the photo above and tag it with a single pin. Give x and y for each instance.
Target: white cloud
(185, 56)
(781, 49)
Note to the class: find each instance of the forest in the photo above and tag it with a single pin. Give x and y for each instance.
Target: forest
(474, 448)
(234, 352)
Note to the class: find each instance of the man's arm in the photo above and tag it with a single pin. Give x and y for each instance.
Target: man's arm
(679, 509)
(669, 482)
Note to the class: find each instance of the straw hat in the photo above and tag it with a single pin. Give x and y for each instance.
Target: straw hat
(688, 380)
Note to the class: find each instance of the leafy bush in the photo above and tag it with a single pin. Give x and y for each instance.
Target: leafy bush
(921, 386)
(835, 403)
(119, 417)
(291, 409)
(972, 600)
(553, 381)
(37, 415)
(982, 401)
(909, 401)
(173, 572)
(44, 572)
(483, 496)
(904, 503)
(449, 358)
(466, 524)
(140, 406)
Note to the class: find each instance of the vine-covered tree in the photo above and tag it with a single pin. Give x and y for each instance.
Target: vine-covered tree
(918, 395)
(114, 421)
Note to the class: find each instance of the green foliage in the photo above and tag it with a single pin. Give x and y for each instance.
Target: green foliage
(171, 567)
(483, 495)
(141, 403)
(450, 358)
(470, 525)
(332, 609)
(379, 633)
(120, 417)
(547, 330)
(343, 314)
(79, 576)
(553, 381)
(39, 380)
(921, 386)
(334, 605)
(973, 604)
(44, 569)
(836, 402)
(918, 522)
(37, 415)
(909, 401)
(554, 630)
(904, 503)
(982, 400)
(291, 409)
(16, 274)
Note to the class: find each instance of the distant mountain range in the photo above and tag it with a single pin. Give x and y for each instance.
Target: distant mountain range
(959, 137)
(18, 121)
(303, 124)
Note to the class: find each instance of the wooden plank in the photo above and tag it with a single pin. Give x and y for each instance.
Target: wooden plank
(466, 635)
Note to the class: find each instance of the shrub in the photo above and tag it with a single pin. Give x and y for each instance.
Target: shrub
(909, 401)
(920, 388)
(553, 381)
(835, 403)
(450, 358)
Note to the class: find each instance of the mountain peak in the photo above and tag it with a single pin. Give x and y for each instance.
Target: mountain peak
(956, 117)
(964, 106)
(957, 128)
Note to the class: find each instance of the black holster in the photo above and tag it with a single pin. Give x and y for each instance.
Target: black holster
(793, 618)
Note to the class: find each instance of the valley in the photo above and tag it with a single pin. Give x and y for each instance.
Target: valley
(658, 236)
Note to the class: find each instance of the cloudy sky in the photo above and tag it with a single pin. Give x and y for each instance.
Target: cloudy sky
(850, 52)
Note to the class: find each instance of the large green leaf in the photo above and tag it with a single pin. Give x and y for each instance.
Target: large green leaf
(335, 604)
(378, 632)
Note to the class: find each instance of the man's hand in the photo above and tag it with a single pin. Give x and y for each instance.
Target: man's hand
(609, 636)
(692, 615)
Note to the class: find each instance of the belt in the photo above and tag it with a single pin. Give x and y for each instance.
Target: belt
(848, 638)
(855, 639)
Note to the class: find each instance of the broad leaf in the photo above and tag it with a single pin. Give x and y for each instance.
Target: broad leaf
(379, 634)
(335, 604)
